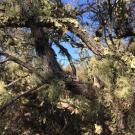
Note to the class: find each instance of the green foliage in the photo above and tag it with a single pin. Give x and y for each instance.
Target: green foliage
(4, 94)
(54, 109)
(117, 91)
(2, 87)
(103, 69)
(123, 89)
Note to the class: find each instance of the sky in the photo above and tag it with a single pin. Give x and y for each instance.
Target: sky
(73, 51)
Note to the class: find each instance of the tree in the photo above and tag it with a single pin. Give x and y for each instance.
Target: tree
(29, 29)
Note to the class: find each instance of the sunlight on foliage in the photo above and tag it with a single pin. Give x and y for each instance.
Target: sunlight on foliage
(12, 66)
(123, 89)
(100, 99)
(102, 69)
(4, 95)
(129, 60)
(2, 87)
(98, 129)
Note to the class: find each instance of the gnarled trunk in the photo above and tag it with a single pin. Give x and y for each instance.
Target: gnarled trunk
(45, 51)
(48, 56)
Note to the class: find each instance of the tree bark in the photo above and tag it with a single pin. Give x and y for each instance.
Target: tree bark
(48, 56)
(45, 51)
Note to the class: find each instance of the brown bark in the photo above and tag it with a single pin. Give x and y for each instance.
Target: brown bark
(84, 36)
(69, 57)
(45, 51)
(39, 24)
(48, 56)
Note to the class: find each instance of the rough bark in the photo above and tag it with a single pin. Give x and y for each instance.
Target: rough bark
(45, 51)
(90, 43)
(49, 22)
(48, 56)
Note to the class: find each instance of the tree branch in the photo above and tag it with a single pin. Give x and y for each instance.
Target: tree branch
(73, 43)
(71, 24)
(21, 63)
(73, 86)
(14, 23)
(13, 82)
(83, 35)
(69, 57)
(4, 61)
(15, 98)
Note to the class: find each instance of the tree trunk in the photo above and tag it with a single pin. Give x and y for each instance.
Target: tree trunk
(48, 56)
(45, 51)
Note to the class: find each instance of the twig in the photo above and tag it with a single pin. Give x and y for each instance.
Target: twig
(18, 79)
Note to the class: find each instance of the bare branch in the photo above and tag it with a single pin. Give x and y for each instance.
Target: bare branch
(15, 81)
(73, 43)
(88, 8)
